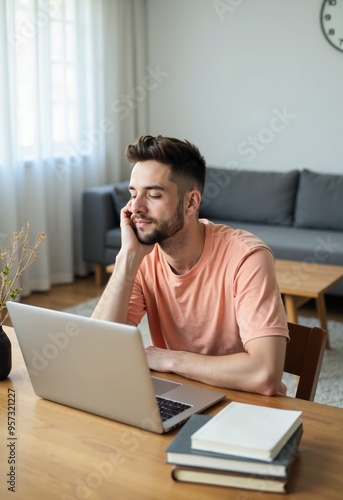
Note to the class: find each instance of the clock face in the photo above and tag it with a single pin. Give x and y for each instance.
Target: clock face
(332, 22)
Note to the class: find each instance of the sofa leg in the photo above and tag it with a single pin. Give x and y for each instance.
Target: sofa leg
(99, 268)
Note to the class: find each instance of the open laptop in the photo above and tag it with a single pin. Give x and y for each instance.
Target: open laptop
(100, 367)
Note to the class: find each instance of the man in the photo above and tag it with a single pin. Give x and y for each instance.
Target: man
(210, 292)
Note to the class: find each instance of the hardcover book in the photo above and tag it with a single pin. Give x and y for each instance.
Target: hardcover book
(235, 480)
(247, 430)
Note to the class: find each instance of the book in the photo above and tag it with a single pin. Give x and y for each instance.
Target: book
(180, 452)
(235, 480)
(247, 430)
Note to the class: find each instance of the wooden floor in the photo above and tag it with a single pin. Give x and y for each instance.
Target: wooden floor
(61, 297)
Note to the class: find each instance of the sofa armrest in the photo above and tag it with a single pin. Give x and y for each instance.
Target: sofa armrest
(98, 215)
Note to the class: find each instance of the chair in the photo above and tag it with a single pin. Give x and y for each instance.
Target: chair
(304, 357)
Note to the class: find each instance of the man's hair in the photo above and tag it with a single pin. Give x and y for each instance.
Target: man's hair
(187, 165)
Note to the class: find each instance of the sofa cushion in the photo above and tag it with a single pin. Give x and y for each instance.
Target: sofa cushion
(319, 201)
(121, 196)
(242, 195)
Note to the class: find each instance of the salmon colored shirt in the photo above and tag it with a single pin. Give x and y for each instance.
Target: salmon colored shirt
(229, 297)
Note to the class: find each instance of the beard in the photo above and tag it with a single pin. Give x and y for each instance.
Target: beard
(162, 231)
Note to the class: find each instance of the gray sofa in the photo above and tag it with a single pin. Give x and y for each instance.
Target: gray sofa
(299, 214)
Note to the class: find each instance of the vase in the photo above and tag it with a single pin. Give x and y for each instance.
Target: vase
(5, 355)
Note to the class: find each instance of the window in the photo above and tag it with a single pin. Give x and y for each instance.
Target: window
(45, 75)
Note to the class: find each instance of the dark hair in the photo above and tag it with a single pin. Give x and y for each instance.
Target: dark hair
(187, 166)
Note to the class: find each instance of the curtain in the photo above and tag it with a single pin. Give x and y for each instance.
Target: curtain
(128, 83)
(66, 64)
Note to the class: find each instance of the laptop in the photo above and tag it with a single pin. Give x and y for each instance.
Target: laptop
(100, 367)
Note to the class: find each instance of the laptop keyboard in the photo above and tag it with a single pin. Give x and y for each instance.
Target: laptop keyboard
(169, 408)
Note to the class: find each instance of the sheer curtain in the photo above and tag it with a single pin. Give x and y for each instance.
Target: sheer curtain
(64, 65)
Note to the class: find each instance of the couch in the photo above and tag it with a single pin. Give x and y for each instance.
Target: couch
(298, 214)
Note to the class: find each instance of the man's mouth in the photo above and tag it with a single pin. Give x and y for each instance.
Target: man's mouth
(141, 222)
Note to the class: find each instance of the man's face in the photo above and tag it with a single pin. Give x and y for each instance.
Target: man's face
(157, 211)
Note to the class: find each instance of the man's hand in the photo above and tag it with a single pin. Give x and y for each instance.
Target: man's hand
(129, 239)
(159, 359)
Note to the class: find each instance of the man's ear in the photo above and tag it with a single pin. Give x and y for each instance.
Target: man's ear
(193, 200)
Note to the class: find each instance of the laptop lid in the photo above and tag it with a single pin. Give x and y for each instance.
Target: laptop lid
(99, 367)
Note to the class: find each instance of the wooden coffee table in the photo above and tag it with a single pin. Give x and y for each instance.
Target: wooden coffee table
(110, 268)
(300, 281)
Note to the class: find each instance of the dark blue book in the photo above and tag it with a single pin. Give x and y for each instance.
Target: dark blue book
(181, 453)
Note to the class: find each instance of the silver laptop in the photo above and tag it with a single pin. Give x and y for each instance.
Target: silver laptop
(100, 367)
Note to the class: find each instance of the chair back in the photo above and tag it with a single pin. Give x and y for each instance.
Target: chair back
(304, 357)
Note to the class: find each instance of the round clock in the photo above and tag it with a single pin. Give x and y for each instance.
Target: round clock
(331, 19)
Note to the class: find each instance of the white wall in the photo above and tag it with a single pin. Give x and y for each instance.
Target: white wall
(226, 76)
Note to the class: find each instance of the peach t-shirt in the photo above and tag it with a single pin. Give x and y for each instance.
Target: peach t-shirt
(228, 298)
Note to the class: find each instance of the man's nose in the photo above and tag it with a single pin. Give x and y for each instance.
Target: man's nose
(138, 205)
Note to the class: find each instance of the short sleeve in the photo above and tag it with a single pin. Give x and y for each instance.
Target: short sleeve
(258, 303)
(137, 303)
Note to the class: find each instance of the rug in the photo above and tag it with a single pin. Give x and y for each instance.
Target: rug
(330, 384)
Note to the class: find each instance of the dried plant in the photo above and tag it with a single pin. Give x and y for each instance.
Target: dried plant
(14, 260)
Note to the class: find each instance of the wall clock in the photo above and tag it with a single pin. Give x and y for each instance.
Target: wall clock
(331, 18)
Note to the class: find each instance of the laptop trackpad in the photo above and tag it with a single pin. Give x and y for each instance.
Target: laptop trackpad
(162, 385)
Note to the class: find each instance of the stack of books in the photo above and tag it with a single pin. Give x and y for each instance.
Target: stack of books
(243, 446)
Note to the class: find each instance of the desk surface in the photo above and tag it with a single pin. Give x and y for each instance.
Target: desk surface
(65, 454)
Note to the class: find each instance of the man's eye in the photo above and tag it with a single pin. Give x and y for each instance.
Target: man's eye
(154, 196)
(132, 197)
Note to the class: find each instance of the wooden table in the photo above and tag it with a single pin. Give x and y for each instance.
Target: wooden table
(300, 281)
(66, 454)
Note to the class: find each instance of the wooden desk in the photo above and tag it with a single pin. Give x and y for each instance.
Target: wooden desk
(66, 454)
(302, 281)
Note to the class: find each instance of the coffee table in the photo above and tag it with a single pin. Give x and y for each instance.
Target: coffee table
(110, 268)
(300, 281)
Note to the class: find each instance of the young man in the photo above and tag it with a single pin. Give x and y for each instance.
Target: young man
(210, 292)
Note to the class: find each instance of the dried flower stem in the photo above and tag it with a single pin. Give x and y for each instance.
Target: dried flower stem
(16, 259)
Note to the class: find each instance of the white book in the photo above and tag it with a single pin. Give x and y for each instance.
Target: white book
(247, 430)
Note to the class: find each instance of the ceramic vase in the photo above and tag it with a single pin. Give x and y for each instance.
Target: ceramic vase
(5, 355)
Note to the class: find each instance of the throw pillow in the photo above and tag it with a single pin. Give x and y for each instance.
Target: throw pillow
(250, 196)
(319, 201)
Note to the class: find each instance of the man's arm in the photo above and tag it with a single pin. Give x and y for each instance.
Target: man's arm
(114, 302)
(259, 369)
